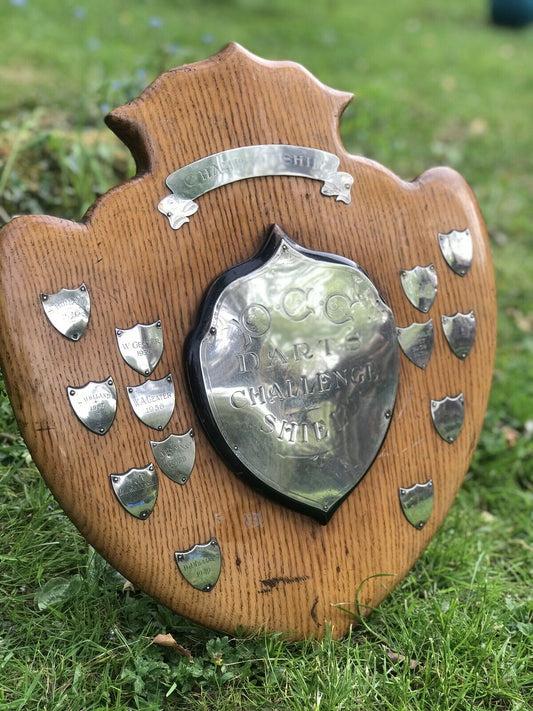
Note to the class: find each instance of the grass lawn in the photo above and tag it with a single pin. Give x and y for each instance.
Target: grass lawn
(435, 83)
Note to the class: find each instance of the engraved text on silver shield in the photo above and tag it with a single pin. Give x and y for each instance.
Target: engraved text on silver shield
(137, 490)
(175, 456)
(68, 311)
(141, 346)
(200, 565)
(153, 401)
(95, 404)
(300, 367)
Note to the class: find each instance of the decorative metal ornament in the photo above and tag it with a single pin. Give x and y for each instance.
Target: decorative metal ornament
(175, 456)
(460, 332)
(194, 180)
(416, 341)
(417, 503)
(141, 346)
(95, 404)
(448, 416)
(153, 401)
(295, 360)
(420, 286)
(68, 311)
(457, 249)
(200, 565)
(137, 490)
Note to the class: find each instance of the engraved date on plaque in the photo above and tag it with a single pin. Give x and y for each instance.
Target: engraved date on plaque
(294, 367)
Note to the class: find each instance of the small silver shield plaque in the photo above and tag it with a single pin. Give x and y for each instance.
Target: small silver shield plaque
(68, 311)
(153, 401)
(141, 346)
(420, 286)
(457, 249)
(200, 565)
(448, 416)
(294, 367)
(175, 456)
(460, 332)
(137, 490)
(417, 503)
(416, 341)
(95, 404)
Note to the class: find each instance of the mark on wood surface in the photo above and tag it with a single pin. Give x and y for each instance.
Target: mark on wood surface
(274, 583)
(313, 613)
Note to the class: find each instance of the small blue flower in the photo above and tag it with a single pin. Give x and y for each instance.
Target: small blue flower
(80, 13)
(105, 108)
(155, 22)
(207, 38)
(18, 3)
(93, 43)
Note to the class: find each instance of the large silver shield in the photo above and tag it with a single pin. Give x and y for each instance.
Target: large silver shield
(294, 369)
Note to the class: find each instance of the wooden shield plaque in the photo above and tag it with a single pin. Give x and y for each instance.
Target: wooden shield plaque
(254, 375)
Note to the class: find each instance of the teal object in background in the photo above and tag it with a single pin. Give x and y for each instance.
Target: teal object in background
(513, 13)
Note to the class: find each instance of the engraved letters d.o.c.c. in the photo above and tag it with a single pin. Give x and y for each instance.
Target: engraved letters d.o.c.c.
(294, 369)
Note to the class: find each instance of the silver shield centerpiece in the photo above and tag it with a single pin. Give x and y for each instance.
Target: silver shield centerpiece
(294, 370)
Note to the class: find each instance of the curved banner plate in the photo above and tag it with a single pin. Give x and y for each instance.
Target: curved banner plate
(294, 369)
(193, 180)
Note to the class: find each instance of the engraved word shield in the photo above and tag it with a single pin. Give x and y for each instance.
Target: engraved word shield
(296, 360)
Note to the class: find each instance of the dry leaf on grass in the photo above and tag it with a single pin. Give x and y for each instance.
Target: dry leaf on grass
(167, 640)
(395, 657)
(511, 436)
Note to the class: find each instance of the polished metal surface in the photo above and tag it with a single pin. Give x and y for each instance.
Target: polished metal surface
(194, 180)
(420, 286)
(448, 416)
(200, 565)
(68, 311)
(137, 490)
(460, 332)
(153, 401)
(299, 364)
(417, 503)
(95, 404)
(457, 249)
(175, 456)
(416, 341)
(141, 346)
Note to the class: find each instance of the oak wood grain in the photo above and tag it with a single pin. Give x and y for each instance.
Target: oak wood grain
(281, 570)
